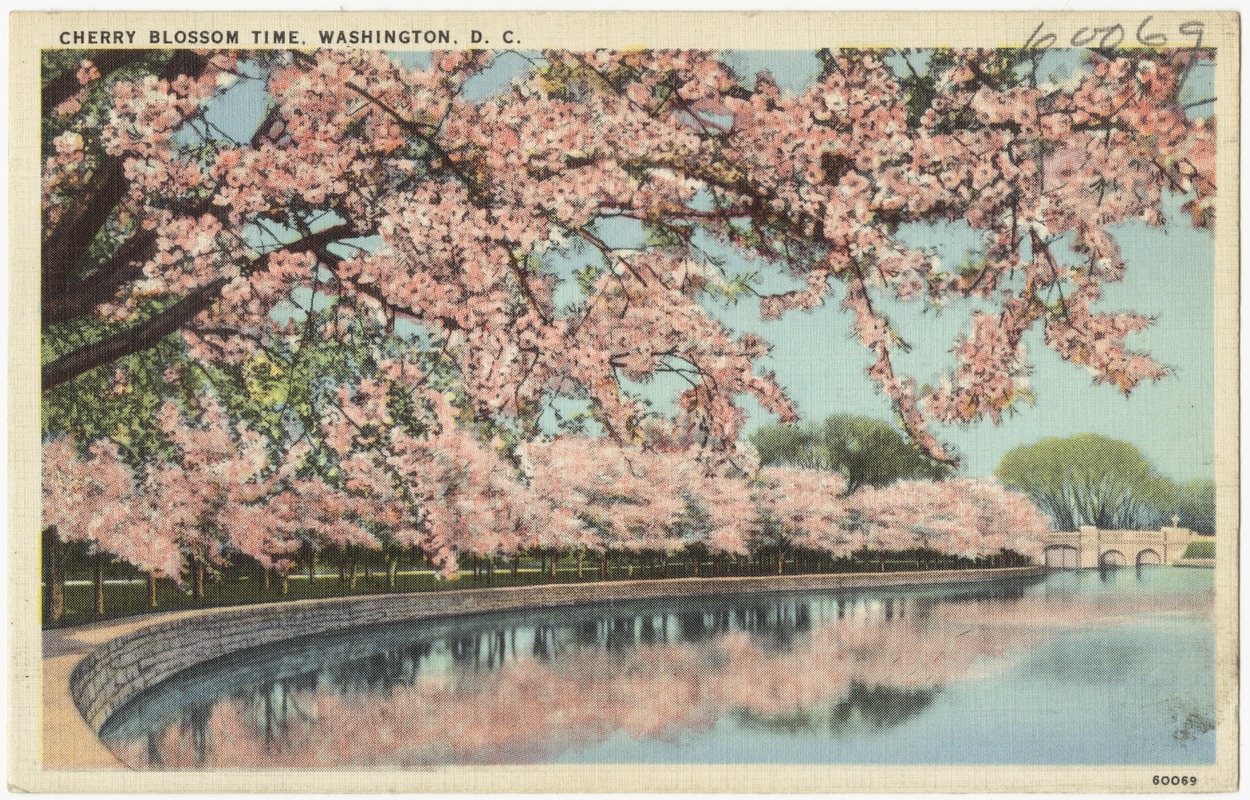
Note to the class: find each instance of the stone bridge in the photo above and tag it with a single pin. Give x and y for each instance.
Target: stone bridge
(1092, 548)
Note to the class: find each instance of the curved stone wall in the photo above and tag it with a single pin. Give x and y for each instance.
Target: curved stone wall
(123, 667)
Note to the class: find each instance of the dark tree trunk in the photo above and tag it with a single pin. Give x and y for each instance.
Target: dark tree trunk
(97, 574)
(197, 579)
(312, 567)
(151, 590)
(54, 575)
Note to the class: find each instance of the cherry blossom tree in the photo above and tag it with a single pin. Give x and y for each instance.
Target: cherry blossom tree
(466, 196)
(429, 229)
(803, 508)
(969, 517)
(93, 498)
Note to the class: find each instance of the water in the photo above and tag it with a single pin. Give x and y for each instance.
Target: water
(1073, 668)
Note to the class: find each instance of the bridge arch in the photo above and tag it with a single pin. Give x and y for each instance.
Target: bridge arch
(1061, 556)
(1149, 556)
(1112, 558)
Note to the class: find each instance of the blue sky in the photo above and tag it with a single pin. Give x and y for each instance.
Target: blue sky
(1170, 277)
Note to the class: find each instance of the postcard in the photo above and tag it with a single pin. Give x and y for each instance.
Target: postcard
(600, 402)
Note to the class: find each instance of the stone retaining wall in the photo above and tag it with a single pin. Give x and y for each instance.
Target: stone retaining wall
(121, 668)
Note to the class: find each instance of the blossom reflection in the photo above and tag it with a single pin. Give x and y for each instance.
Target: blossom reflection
(527, 690)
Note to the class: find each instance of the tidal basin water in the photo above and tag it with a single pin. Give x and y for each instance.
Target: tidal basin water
(1072, 668)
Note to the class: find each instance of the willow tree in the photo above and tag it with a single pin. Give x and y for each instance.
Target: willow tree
(1088, 480)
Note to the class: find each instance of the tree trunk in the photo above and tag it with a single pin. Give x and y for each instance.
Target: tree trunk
(581, 555)
(268, 573)
(555, 559)
(312, 567)
(781, 559)
(286, 584)
(516, 563)
(392, 572)
(351, 574)
(197, 579)
(151, 590)
(342, 569)
(55, 576)
(542, 565)
(98, 578)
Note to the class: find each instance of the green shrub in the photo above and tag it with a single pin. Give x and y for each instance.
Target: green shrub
(1202, 548)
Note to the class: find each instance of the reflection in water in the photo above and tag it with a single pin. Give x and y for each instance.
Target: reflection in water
(537, 686)
(863, 707)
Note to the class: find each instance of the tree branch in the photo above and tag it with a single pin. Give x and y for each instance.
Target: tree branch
(78, 299)
(66, 243)
(152, 330)
(132, 340)
(66, 85)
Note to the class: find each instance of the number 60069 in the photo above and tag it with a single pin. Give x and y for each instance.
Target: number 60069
(1175, 780)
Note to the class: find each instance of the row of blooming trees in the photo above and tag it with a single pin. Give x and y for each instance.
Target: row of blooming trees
(224, 497)
(376, 312)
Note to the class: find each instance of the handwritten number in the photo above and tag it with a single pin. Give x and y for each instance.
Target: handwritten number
(1108, 37)
(1194, 29)
(1153, 39)
(1044, 43)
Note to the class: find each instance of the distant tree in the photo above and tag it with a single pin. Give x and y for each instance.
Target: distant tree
(866, 451)
(1088, 479)
(1194, 504)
